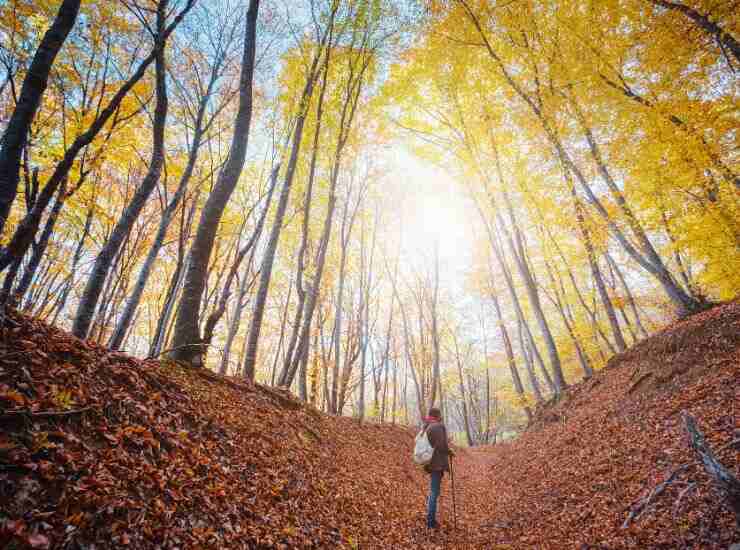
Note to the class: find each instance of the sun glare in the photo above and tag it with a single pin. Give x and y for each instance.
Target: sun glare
(434, 213)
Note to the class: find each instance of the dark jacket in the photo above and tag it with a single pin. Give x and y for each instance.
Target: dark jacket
(437, 434)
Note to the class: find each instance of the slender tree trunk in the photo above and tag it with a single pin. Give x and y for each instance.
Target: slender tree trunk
(497, 248)
(38, 248)
(69, 283)
(466, 419)
(517, 251)
(303, 376)
(395, 393)
(511, 362)
(34, 85)
(561, 306)
(301, 263)
(596, 273)
(103, 262)
(628, 294)
(250, 359)
(435, 329)
(529, 364)
(132, 303)
(187, 344)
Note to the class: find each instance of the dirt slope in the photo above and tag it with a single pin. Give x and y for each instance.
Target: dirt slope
(98, 450)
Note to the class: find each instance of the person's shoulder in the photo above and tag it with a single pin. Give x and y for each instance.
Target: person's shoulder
(436, 427)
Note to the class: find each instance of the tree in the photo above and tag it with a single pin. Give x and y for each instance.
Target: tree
(32, 91)
(187, 343)
(272, 243)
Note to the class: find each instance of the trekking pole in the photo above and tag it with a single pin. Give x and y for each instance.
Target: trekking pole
(454, 506)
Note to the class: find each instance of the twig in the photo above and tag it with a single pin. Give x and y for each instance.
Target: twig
(655, 493)
(10, 414)
(639, 382)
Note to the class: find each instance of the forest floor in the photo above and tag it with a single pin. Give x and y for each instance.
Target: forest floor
(100, 450)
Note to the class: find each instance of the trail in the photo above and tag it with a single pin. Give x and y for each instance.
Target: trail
(472, 471)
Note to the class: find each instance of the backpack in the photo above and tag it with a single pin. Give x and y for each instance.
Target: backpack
(423, 450)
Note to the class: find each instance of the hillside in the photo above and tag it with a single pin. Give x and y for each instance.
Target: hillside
(572, 479)
(99, 450)
(131, 453)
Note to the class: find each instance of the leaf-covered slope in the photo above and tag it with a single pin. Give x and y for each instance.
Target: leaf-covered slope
(573, 479)
(101, 449)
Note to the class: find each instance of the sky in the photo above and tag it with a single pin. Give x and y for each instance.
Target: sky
(434, 210)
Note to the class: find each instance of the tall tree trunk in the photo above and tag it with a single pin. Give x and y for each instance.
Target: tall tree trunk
(301, 263)
(562, 307)
(38, 248)
(510, 360)
(527, 354)
(435, 328)
(250, 247)
(132, 303)
(104, 260)
(187, 344)
(517, 251)
(250, 359)
(596, 272)
(69, 283)
(498, 253)
(34, 85)
(466, 419)
(628, 294)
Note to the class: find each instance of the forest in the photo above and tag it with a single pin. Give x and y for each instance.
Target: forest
(373, 206)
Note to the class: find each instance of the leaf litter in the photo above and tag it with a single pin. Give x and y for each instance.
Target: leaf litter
(101, 450)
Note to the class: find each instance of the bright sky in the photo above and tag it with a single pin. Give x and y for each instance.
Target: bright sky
(435, 209)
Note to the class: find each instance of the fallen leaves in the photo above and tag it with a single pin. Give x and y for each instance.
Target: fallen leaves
(155, 455)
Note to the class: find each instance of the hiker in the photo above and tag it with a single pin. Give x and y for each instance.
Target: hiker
(440, 463)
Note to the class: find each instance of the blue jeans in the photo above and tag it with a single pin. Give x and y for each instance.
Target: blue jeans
(435, 486)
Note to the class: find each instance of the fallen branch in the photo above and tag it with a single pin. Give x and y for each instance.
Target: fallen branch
(654, 494)
(639, 382)
(726, 483)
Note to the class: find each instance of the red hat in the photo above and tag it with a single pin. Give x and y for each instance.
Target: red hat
(435, 415)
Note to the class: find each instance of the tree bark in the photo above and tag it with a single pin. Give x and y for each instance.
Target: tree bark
(132, 303)
(461, 383)
(510, 360)
(187, 343)
(103, 262)
(628, 293)
(34, 85)
(596, 272)
(250, 358)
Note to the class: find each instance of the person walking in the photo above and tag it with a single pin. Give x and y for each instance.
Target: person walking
(440, 463)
